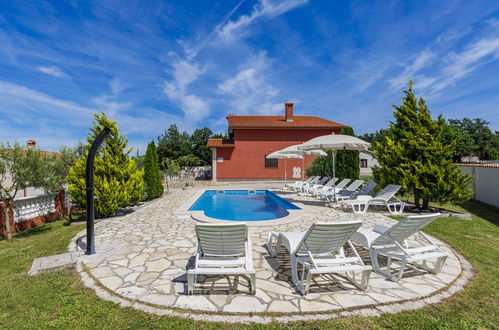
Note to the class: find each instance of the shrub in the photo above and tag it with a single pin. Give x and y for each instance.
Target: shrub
(117, 182)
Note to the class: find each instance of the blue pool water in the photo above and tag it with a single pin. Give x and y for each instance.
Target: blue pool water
(242, 205)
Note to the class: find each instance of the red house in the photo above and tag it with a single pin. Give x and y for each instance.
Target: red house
(251, 138)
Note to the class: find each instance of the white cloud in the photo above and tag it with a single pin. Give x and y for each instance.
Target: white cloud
(107, 104)
(33, 114)
(474, 55)
(423, 59)
(454, 65)
(21, 92)
(249, 91)
(264, 8)
(133, 120)
(193, 50)
(184, 73)
(149, 122)
(117, 86)
(423, 82)
(52, 70)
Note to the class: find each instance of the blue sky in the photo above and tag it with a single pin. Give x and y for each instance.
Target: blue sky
(149, 64)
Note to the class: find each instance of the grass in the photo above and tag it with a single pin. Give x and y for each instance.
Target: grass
(59, 300)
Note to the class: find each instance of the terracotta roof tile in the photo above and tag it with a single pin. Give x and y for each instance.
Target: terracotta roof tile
(236, 121)
(220, 143)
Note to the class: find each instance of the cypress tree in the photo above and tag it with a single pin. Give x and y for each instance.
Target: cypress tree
(153, 188)
(322, 166)
(118, 183)
(415, 156)
(348, 161)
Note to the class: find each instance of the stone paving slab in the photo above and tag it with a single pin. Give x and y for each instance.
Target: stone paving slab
(143, 257)
(54, 262)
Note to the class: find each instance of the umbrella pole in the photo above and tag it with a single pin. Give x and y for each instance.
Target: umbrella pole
(285, 174)
(334, 182)
(303, 168)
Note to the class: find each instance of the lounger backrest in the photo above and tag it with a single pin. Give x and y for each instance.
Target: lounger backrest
(354, 185)
(323, 180)
(367, 188)
(388, 192)
(405, 228)
(310, 179)
(342, 184)
(222, 239)
(316, 178)
(326, 237)
(331, 182)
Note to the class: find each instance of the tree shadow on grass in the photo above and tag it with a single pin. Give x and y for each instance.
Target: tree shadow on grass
(482, 210)
(33, 231)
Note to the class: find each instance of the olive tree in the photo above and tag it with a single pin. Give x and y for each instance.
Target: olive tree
(22, 167)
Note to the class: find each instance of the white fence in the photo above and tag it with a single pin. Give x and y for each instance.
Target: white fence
(31, 207)
(198, 172)
(485, 182)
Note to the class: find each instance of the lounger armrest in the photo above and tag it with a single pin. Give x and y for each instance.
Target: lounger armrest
(380, 229)
(249, 254)
(364, 237)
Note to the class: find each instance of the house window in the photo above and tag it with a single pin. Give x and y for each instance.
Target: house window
(363, 163)
(271, 163)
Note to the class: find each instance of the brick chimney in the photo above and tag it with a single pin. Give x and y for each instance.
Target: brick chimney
(288, 106)
(31, 143)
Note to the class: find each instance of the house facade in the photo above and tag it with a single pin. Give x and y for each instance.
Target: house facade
(252, 138)
(367, 162)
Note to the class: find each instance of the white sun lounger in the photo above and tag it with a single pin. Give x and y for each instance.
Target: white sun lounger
(391, 242)
(350, 189)
(338, 186)
(314, 180)
(385, 197)
(222, 249)
(307, 188)
(351, 194)
(298, 184)
(319, 250)
(318, 189)
(331, 194)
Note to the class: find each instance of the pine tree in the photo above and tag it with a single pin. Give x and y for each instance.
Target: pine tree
(348, 161)
(415, 156)
(152, 177)
(117, 182)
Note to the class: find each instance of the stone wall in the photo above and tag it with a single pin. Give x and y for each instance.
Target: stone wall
(32, 212)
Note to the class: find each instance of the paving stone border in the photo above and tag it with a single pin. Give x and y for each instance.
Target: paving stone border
(456, 286)
(54, 262)
(137, 257)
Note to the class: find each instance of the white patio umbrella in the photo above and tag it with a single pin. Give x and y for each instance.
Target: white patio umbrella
(335, 142)
(294, 150)
(278, 155)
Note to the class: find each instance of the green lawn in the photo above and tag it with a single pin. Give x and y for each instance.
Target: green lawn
(59, 300)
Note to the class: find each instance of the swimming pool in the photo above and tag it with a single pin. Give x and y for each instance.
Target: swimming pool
(242, 205)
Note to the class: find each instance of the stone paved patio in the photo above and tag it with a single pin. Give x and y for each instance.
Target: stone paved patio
(143, 256)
